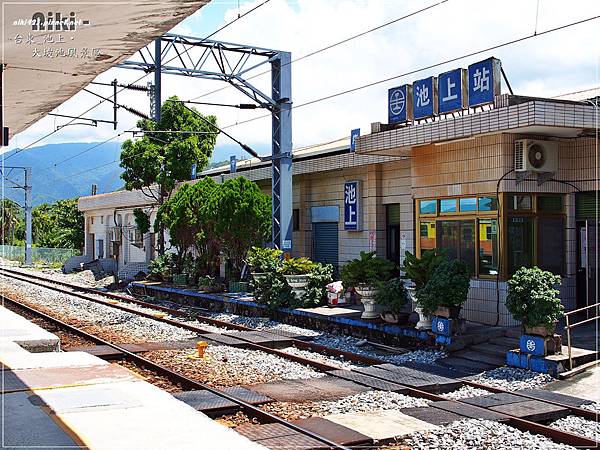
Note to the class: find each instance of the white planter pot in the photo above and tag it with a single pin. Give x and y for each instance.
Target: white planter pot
(424, 322)
(367, 297)
(298, 283)
(258, 276)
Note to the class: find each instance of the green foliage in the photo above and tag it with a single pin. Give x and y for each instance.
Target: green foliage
(419, 270)
(142, 220)
(58, 225)
(297, 266)
(162, 267)
(242, 218)
(447, 286)
(367, 269)
(392, 295)
(12, 222)
(272, 291)
(263, 260)
(166, 158)
(211, 219)
(316, 292)
(533, 299)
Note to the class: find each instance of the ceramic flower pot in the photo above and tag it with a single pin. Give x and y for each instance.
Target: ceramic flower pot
(367, 297)
(258, 276)
(424, 322)
(449, 312)
(540, 330)
(298, 283)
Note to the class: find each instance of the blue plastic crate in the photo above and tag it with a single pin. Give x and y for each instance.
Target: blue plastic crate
(542, 365)
(441, 326)
(443, 340)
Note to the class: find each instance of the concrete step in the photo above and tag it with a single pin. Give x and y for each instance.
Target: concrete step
(509, 343)
(486, 358)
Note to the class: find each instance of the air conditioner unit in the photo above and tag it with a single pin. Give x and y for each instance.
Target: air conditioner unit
(536, 156)
(114, 234)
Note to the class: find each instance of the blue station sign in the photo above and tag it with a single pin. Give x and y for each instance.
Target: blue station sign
(400, 104)
(352, 200)
(484, 81)
(425, 98)
(232, 164)
(452, 91)
(353, 135)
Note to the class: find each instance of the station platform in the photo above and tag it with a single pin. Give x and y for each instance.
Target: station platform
(54, 399)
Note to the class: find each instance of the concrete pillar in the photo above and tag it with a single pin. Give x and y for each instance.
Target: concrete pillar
(374, 207)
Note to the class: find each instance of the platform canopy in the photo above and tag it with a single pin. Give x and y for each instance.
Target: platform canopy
(50, 57)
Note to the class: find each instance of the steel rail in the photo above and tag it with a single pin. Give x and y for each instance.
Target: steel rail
(522, 424)
(177, 377)
(362, 359)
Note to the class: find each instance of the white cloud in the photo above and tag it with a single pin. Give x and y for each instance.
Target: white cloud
(546, 65)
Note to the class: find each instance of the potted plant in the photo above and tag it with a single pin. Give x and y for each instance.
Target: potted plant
(419, 271)
(297, 274)
(262, 261)
(366, 274)
(533, 299)
(446, 290)
(393, 297)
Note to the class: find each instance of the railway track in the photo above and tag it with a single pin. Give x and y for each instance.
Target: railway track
(373, 377)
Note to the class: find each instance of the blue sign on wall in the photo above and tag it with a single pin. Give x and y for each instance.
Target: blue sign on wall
(353, 135)
(232, 164)
(194, 169)
(352, 205)
(452, 91)
(425, 98)
(400, 104)
(484, 81)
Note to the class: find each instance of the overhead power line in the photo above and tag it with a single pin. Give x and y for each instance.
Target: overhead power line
(139, 79)
(330, 46)
(364, 86)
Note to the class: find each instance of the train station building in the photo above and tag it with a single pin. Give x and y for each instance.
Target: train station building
(508, 185)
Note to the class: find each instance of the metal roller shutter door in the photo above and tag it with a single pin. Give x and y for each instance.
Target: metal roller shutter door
(325, 243)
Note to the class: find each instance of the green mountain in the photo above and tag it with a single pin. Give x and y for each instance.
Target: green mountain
(62, 171)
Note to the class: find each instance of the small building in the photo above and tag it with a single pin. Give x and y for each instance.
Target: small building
(508, 186)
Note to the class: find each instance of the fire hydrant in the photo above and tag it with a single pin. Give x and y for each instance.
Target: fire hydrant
(201, 346)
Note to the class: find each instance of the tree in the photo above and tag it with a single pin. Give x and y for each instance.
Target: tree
(58, 225)
(158, 161)
(12, 225)
(243, 220)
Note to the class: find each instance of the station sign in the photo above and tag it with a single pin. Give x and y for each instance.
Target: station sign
(232, 164)
(484, 81)
(400, 104)
(352, 206)
(450, 91)
(353, 135)
(425, 98)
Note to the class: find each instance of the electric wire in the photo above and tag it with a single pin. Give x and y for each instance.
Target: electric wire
(457, 58)
(139, 79)
(330, 46)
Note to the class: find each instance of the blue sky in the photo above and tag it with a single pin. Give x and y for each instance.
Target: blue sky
(548, 65)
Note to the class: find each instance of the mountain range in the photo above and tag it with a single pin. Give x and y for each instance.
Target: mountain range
(67, 170)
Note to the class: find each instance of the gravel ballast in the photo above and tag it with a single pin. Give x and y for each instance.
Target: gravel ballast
(264, 324)
(465, 392)
(475, 434)
(578, 425)
(592, 407)
(108, 322)
(513, 379)
(229, 366)
(363, 402)
(331, 360)
(349, 344)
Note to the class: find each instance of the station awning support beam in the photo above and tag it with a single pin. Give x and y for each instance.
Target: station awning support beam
(224, 61)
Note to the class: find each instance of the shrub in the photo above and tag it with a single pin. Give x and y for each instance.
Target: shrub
(316, 292)
(161, 268)
(298, 266)
(392, 295)
(532, 297)
(447, 286)
(367, 269)
(272, 291)
(263, 260)
(419, 270)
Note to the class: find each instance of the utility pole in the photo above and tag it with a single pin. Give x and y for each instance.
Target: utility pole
(157, 77)
(28, 208)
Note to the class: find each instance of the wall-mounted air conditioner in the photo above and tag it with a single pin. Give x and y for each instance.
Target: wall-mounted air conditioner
(536, 156)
